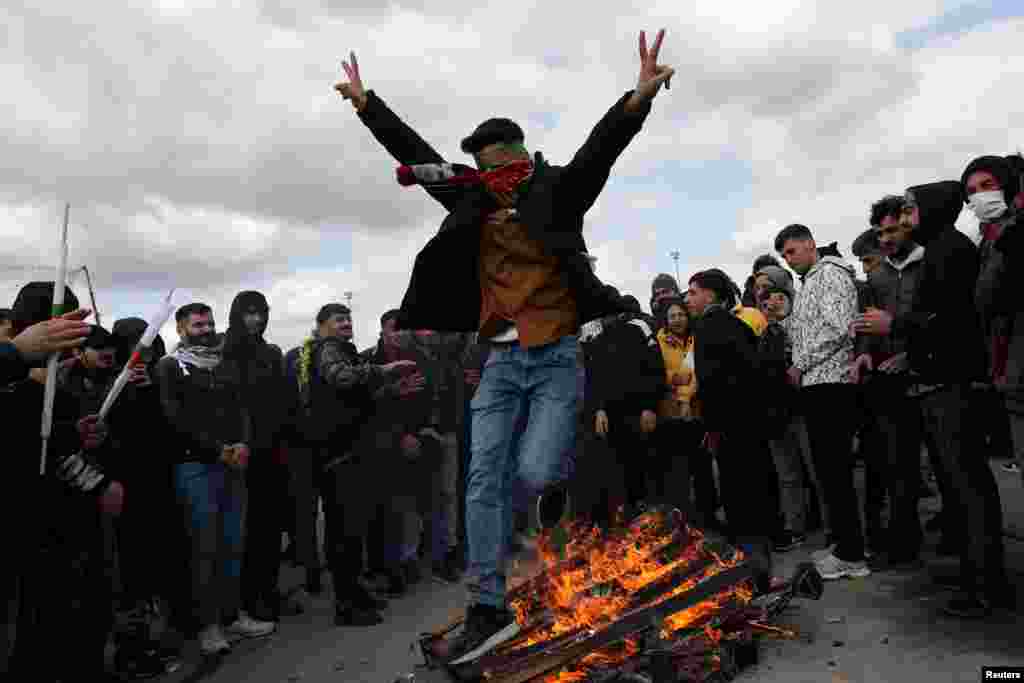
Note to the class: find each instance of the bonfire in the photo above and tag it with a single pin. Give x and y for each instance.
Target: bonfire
(651, 600)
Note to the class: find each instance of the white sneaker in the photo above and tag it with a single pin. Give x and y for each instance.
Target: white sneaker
(247, 627)
(831, 568)
(825, 552)
(212, 641)
(818, 555)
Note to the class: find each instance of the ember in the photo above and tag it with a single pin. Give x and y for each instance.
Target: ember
(654, 595)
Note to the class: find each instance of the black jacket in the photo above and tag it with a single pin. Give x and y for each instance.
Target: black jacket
(893, 290)
(204, 410)
(729, 373)
(626, 368)
(945, 343)
(551, 211)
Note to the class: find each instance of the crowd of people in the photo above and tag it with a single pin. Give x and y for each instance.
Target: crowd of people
(493, 409)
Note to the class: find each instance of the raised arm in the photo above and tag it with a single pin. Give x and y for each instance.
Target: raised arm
(588, 171)
(400, 140)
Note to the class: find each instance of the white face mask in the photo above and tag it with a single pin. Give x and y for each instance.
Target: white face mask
(988, 206)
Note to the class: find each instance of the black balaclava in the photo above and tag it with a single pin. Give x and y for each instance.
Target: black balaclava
(939, 204)
(126, 334)
(239, 340)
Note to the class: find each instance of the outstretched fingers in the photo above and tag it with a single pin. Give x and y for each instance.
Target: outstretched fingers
(657, 45)
(643, 47)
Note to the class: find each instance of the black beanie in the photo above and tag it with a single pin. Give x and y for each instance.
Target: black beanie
(493, 131)
(1000, 168)
(98, 338)
(664, 281)
(34, 304)
(127, 332)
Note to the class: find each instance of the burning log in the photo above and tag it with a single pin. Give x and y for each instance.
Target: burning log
(520, 670)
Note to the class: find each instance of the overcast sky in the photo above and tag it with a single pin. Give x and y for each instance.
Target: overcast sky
(202, 147)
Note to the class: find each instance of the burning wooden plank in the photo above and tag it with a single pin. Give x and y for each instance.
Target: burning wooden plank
(520, 670)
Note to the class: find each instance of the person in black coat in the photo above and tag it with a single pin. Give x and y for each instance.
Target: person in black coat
(510, 263)
(627, 381)
(945, 350)
(730, 384)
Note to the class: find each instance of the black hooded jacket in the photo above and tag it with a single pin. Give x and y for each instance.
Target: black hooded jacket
(258, 368)
(944, 337)
(447, 269)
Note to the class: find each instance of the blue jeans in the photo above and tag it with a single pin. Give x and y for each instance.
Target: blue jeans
(213, 500)
(524, 427)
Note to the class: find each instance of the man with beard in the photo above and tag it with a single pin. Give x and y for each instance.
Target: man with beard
(336, 393)
(945, 349)
(892, 414)
(510, 263)
(206, 409)
(47, 590)
(258, 369)
(730, 383)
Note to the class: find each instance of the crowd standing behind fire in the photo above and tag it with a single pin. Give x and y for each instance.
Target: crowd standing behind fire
(776, 382)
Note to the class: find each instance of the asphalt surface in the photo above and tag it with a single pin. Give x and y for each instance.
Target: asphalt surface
(886, 627)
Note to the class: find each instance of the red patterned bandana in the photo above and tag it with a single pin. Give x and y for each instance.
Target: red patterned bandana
(507, 178)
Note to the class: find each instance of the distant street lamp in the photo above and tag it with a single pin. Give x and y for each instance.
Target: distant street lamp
(675, 257)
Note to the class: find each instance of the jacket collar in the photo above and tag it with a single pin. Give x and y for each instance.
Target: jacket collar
(916, 255)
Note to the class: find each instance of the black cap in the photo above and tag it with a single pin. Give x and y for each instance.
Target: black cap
(493, 131)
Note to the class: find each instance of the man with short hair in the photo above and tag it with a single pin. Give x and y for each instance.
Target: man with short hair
(206, 409)
(868, 251)
(819, 326)
(510, 263)
(730, 382)
(336, 392)
(893, 416)
(945, 350)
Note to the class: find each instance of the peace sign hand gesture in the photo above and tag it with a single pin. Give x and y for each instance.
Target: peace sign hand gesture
(652, 75)
(353, 88)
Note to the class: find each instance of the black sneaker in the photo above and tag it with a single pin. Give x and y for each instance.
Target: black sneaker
(447, 569)
(139, 665)
(789, 540)
(397, 585)
(347, 614)
(482, 622)
(885, 563)
(551, 507)
(413, 573)
(967, 606)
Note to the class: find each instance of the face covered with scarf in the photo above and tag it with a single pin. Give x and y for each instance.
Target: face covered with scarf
(504, 170)
(248, 320)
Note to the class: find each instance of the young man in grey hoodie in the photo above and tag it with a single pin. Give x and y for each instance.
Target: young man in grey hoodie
(819, 326)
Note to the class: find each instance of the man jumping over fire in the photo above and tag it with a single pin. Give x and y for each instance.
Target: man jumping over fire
(510, 263)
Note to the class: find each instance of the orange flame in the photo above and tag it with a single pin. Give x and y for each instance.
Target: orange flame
(614, 570)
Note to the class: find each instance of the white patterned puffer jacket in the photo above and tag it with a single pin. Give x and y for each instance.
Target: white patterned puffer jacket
(820, 323)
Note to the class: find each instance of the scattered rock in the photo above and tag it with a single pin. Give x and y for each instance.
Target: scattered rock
(837, 643)
(835, 620)
(339, 665)
(832, 663)
(293, 678)
(885, 640)
(364, 662)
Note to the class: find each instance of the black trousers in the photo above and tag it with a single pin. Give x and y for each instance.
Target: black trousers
(750, 492)
(343, 547)
(679, 456)
(265, 520)
(833, 415)
(954, 426)
(897, 421)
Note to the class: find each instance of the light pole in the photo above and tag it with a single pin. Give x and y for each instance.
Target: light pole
(675, 257)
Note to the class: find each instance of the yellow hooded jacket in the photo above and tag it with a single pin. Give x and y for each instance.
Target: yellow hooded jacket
(678, 357)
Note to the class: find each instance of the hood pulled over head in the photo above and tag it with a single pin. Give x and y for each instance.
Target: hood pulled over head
(939, 205)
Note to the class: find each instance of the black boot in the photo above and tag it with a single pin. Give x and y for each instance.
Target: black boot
(482, 622)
